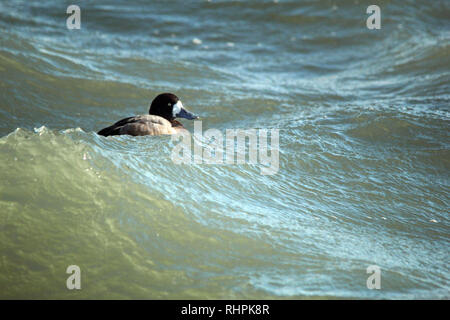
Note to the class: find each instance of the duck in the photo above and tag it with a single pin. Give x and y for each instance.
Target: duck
(160, 120)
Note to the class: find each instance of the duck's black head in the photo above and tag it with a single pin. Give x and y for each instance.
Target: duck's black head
(169, 106)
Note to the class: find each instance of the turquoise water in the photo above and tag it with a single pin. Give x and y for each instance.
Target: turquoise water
(363, 119)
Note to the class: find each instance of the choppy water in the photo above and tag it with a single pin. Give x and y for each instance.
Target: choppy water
(364, 150)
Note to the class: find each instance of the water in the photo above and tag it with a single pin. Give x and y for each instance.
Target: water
(363, 166)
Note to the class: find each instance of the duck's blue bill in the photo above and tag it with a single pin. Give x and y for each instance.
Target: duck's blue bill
(186, 114)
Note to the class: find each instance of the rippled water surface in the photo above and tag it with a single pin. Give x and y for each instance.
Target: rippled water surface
(364, 158)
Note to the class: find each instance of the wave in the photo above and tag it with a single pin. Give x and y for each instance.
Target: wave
(363, 122)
